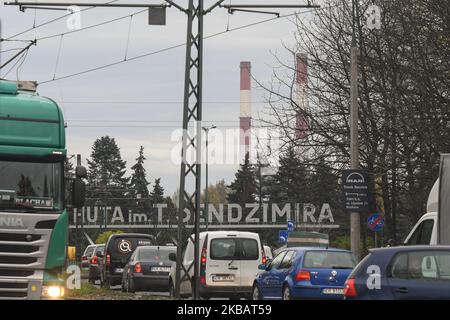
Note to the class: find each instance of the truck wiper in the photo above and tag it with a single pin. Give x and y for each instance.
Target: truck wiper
(17, 210)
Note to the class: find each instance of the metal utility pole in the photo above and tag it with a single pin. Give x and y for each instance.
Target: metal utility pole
(192, 113)
(355, 218)
(206, 209)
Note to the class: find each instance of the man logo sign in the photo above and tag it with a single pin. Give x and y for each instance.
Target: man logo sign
(374, 279)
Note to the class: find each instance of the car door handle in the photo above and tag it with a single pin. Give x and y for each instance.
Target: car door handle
(401, 290)
(233, 268)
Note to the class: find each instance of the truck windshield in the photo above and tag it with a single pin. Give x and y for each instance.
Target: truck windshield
(30, 186)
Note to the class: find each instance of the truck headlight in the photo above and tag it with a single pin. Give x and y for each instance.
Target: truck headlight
(53, 292)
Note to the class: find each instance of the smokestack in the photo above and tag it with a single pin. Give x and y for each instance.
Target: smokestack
(246, 108)
(302, 126)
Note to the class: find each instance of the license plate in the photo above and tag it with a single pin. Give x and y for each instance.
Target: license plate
(333, 291)
(119, 270)
(160, 269)
(223, 278)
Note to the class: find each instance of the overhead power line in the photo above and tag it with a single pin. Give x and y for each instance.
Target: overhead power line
(92, 26)
(168, 48)
(50, 21)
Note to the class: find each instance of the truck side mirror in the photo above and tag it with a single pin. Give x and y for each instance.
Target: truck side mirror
(80, 172)
(78, 193)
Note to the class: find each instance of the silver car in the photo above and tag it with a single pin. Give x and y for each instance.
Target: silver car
(87, 255)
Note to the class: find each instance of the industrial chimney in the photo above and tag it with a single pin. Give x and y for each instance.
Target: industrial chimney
(302, 126)
(246, 109)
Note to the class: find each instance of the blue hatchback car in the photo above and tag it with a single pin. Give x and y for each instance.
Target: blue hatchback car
(304, 273)
(401, 273)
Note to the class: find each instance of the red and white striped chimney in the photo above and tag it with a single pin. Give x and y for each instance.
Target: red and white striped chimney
(246, 109)
(302, 125)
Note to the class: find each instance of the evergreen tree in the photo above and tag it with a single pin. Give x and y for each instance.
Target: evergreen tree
(139, 183)
(243, 188)
(106, 177)
(324, 188)
(290, 184)
(157, 195)
(69, 170)
(69, 173)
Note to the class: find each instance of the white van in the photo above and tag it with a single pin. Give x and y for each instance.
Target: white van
(426, 229)
(229, 262)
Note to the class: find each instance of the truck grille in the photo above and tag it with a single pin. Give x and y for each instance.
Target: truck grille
(16, 273)
(23, 253)
(16, 260)
(22, 294)
(19, 237)
(11, 288)
(18, 249)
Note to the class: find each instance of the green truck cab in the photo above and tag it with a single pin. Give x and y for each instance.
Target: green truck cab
(33, 215)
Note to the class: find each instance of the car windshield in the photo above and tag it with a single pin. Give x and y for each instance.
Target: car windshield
(30, 185)
(155, 253)
(329, 260)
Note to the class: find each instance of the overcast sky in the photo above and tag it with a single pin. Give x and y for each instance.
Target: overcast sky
(150, 90)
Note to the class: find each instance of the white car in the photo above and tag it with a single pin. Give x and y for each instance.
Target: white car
(229, 262)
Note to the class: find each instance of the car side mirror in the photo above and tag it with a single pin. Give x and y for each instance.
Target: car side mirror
(173, 256)
(78, 193)
(391, 243)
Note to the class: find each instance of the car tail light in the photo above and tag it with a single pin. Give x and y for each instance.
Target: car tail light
(137, 268)
(264, 258)
(203, 258)
(303, 275)
(108, 259)
(350, 288)
(94, 260)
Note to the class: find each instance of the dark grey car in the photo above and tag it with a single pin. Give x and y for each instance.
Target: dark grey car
(148, 269)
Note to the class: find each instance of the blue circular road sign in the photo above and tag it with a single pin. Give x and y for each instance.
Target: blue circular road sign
(375, 222)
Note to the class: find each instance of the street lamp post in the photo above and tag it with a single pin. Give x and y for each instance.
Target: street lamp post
(355, 219)
(206, 208)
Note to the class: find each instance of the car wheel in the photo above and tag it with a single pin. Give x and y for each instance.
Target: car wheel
(256, 294)
(287, 293)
